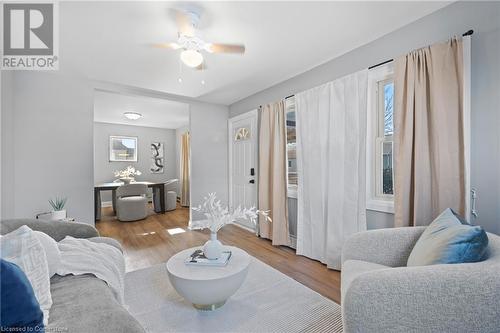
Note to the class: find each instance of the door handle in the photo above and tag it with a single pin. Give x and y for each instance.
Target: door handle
(252, 172)
(252, 181)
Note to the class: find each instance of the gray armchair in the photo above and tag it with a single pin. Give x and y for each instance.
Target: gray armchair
(381, 294)
(131, 202)
(170, 196)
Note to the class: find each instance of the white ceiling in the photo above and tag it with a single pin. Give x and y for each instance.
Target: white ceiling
(109, 108)
(108, 41)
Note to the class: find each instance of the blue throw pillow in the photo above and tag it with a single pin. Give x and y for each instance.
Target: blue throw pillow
(20, 309)
(449, 240)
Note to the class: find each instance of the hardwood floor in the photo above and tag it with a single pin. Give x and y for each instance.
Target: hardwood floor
(148, 242)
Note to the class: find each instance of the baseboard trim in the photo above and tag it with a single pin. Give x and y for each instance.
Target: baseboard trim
(243, 227)
(191, 223)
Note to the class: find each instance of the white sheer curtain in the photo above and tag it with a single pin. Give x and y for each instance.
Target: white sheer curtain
(331, 154)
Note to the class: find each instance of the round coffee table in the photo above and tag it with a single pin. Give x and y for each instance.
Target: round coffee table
(208, 287)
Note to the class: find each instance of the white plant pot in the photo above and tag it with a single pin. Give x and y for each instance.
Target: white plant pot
(58, 215)
(213, 247)
(127, 180)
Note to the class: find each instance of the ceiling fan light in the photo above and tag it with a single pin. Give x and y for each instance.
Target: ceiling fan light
(191, 58)
(132, 115)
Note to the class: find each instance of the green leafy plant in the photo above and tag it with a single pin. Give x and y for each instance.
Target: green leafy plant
(58, 203)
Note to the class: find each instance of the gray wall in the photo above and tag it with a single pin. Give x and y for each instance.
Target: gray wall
(484, 19)
(209, 151)
(47, 144)
(6, 115)
(485, 152)
(104, 169)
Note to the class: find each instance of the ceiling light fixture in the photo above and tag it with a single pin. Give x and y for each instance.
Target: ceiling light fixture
(191, 58)
(132, 115)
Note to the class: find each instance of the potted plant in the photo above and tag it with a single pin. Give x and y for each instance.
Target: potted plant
(127, 175)
(58, 211)
(217, 217)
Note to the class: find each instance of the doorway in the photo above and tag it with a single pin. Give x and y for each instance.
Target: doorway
(243, 145)
(149, 136)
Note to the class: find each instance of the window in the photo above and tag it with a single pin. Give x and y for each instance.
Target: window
(384, 170)
(380, 171)
(122, 148)
(291, 146)
(242, 134)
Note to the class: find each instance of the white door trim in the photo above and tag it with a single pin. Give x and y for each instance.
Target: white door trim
(230, 121)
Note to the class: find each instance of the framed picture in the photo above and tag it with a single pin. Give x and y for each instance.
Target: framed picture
(122, 148)
(157, 160)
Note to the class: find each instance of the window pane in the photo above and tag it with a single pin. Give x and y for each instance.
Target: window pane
(242, 133)
(388, 108)
(290, 127)
(291, 141)
(387, 172)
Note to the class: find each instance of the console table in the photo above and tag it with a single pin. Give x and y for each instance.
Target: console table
(157, 188)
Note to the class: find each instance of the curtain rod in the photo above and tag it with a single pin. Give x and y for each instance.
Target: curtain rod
(467, 33)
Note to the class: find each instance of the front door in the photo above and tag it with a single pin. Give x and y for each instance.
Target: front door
(243, 163)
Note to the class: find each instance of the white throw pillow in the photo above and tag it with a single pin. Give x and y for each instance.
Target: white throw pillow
(23, 248)
(52, 252)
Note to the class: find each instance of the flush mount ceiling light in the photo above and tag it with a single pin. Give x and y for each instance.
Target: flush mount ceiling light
(132, 115)
(191, 58)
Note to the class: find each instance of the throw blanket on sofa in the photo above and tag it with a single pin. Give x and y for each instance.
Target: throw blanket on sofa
(81, 256)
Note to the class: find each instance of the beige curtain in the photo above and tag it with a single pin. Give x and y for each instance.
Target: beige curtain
(185, 169)
(272, 173)
(429, 136)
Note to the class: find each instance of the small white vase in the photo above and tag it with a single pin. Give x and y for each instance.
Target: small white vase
(57, 215)
(127, 180)
(213, 247)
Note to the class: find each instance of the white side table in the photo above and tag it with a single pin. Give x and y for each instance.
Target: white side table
(208, 287)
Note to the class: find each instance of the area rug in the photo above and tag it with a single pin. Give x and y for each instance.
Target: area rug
(268, 301)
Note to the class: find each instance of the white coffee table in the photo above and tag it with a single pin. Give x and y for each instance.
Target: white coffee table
(208, 287)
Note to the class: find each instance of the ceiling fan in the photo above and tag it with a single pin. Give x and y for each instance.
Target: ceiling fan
(192, 46)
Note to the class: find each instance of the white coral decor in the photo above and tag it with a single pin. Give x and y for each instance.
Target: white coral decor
(127, 173)
(218, 215)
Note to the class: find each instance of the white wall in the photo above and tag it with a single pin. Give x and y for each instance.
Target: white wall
(455, 19)
(47, 145)
(104, 169)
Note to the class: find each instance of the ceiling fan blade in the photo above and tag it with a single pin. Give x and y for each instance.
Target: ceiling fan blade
(184, 21)
(173, 46)
(225, 48)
